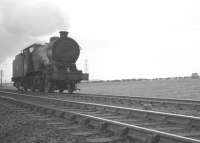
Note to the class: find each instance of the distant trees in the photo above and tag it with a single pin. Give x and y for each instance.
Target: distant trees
(194, 75)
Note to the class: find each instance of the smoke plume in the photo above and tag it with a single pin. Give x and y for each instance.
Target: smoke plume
(22, 22)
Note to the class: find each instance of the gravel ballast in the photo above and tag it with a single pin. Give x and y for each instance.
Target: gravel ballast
(19, 127)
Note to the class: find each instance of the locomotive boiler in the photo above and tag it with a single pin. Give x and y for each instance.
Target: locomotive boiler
(50, 66)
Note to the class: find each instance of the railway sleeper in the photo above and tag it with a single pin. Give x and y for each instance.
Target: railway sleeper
(124, 112)
(111, 110)
(112, 134)
(44, 119)
(123, 134)
(94, 124)
(157, 117)
(195, 124)
(167, 128)
(89, 110)
(55, 123)
(197, 107)
(119, 101)
(104, 115)
(93, 112)
(58, 113)
(138, 137)
(186, 107)
(44, 111)
(190, 134)
(137, 114)
(87, 127)
(68, 128)
(149, 124)
(178, 121)
(129, 103)
(128, 120)
(117, 117)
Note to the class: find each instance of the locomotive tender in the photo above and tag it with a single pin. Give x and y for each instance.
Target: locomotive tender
(48, 67)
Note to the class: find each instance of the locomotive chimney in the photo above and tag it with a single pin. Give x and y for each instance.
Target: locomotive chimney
(63, 34)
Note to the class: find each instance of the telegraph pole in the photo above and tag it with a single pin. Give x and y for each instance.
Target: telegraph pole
(86, 66)
(1, 74)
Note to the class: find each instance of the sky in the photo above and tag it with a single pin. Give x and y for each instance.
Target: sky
(119, 38)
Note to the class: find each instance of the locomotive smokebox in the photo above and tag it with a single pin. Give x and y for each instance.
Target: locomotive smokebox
(65, 49)
(63, 34)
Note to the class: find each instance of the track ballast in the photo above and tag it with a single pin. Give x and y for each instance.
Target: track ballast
(140, 124)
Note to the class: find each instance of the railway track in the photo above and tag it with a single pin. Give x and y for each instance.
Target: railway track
(176, 106)
(124, 123)
(185, 107)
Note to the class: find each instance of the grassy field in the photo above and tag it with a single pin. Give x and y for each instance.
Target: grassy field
(173, 88)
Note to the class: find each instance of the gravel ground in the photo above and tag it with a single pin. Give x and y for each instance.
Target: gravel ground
(17, 127)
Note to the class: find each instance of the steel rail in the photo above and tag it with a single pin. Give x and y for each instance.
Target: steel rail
(185, 107)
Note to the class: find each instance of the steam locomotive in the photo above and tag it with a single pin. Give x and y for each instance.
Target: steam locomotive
(48, 67)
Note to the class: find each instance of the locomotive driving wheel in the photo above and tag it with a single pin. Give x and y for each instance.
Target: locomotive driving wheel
(47, 85)
(71, 87)
(41, 85)
(61, 90)
(33, 85)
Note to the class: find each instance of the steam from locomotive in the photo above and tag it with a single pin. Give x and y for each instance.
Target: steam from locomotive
(24, 21)
(50, 66)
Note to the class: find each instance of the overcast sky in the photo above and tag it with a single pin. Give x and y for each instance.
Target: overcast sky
(119, 38)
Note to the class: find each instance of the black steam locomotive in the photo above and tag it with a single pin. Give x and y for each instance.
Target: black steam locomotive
(48, 67)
